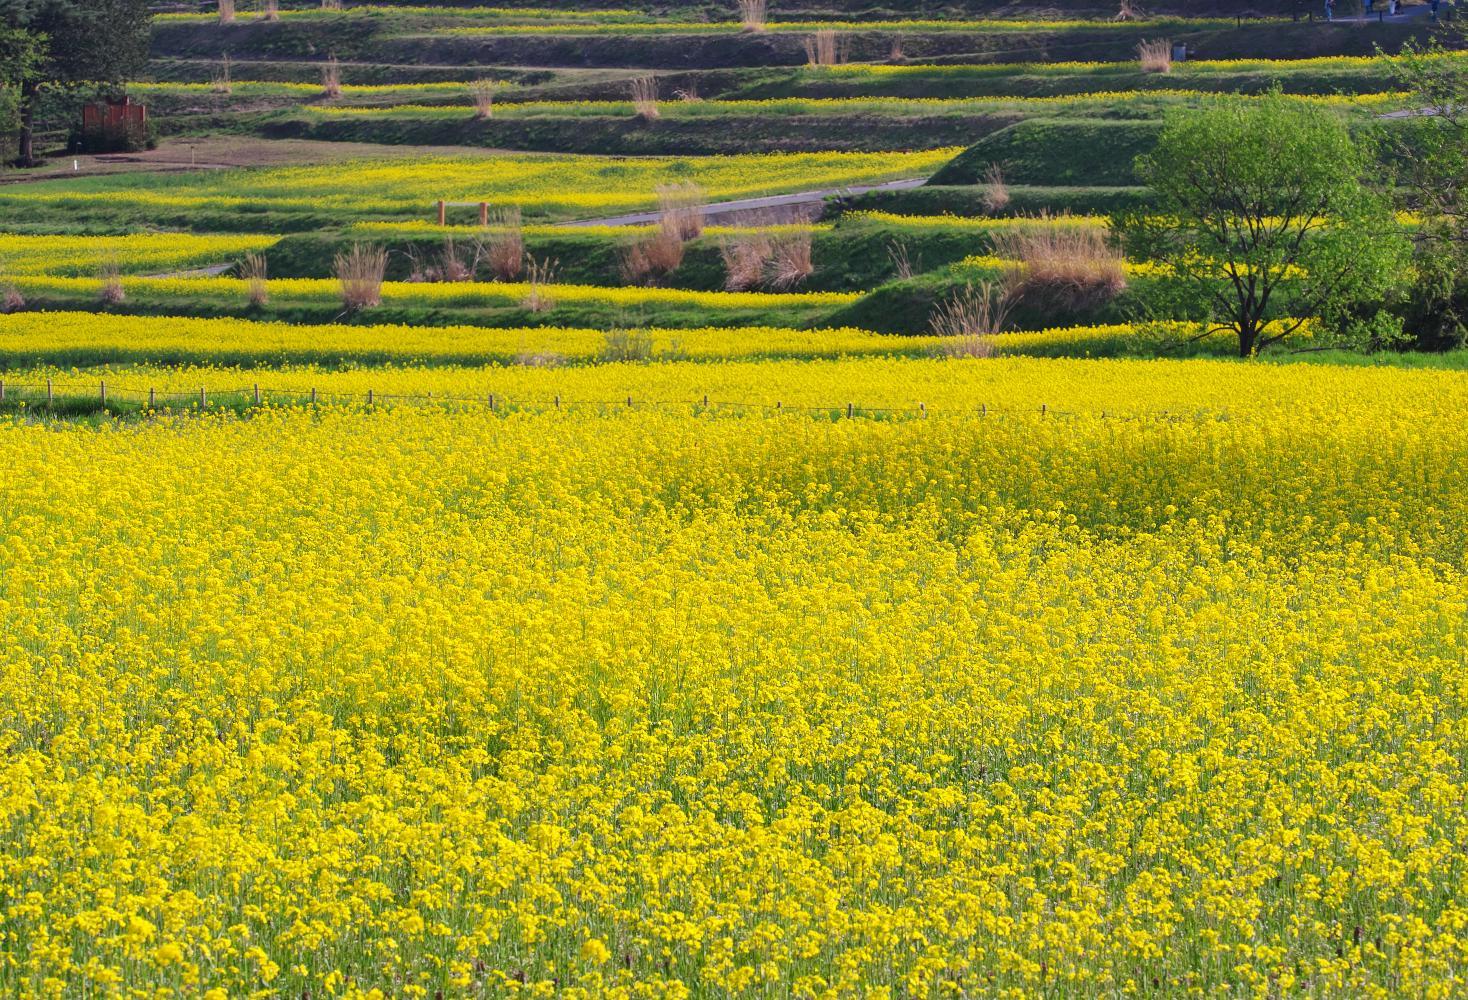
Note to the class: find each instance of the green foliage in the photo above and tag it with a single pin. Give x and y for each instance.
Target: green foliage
(1264, 221)
(1431, 151)
(1056, 152)
(71, 43)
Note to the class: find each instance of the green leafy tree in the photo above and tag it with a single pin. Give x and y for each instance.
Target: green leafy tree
(1263, 222)
(1429, 142)
(74, 43)
(20, 56)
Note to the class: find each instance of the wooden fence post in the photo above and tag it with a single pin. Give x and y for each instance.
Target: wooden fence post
(484, 213)
(257, 394)
(102, 391)
(203, 399)
(50, 397)
(313, 395)
(443, 212)
(152, 398)
(850, 408)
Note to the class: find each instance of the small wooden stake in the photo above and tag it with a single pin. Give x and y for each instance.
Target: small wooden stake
(850, 409)
(152, 398)
(558, 402)
(1044, 408)
(484, 213)
(50, 397)
(257, 394)
(491, 402)
(369, 397)
(313, 395)
(102, 390)
(923, 409)
(2, 390)
(203, 398)
(443, 212)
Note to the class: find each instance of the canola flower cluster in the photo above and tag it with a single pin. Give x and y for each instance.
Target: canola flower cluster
(1064, 67)
(456, 293)
(670, 703)
(986, 26)
(415, 227)
(840, 105)
(82, 338)
(543, 186)
(74, 256)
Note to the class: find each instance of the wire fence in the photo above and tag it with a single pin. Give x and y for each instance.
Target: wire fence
(62, 397)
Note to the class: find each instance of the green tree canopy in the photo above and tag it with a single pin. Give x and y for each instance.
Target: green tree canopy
(1263, 219)
(74, 43)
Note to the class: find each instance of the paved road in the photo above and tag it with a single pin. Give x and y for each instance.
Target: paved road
(723, 208)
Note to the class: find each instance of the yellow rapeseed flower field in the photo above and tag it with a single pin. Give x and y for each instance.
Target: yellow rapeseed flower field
(543, 186)
(672, 702)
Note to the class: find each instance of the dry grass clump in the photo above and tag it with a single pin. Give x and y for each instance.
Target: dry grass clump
(11, 301)
(1065, 266)
(996, 192)
(331, 4)
(539, 274)
(754, 14)
(1128, 11)
(1155, 55)
(970, 318)
(502, 248)
(825, 48)
(450, 264)
(898, 52)
(481, 94)
(272, 10)
(226, 11)
(453, 265)
(680, 209)
(254, 272)
(680, 220)
(655, 257)
(111, 293)
(331, 78)
(221, 77)
(361, 271)
(745, 256)
(645, 97)
(790, 259)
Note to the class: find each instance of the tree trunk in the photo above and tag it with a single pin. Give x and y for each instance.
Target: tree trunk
(1248, 337)
(27, 157)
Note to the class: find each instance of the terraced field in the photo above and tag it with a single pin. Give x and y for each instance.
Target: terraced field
(421, 579)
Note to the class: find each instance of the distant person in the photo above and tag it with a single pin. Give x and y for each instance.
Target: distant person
(1330, 10)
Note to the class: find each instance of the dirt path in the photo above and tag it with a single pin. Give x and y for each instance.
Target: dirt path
(773, 203)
